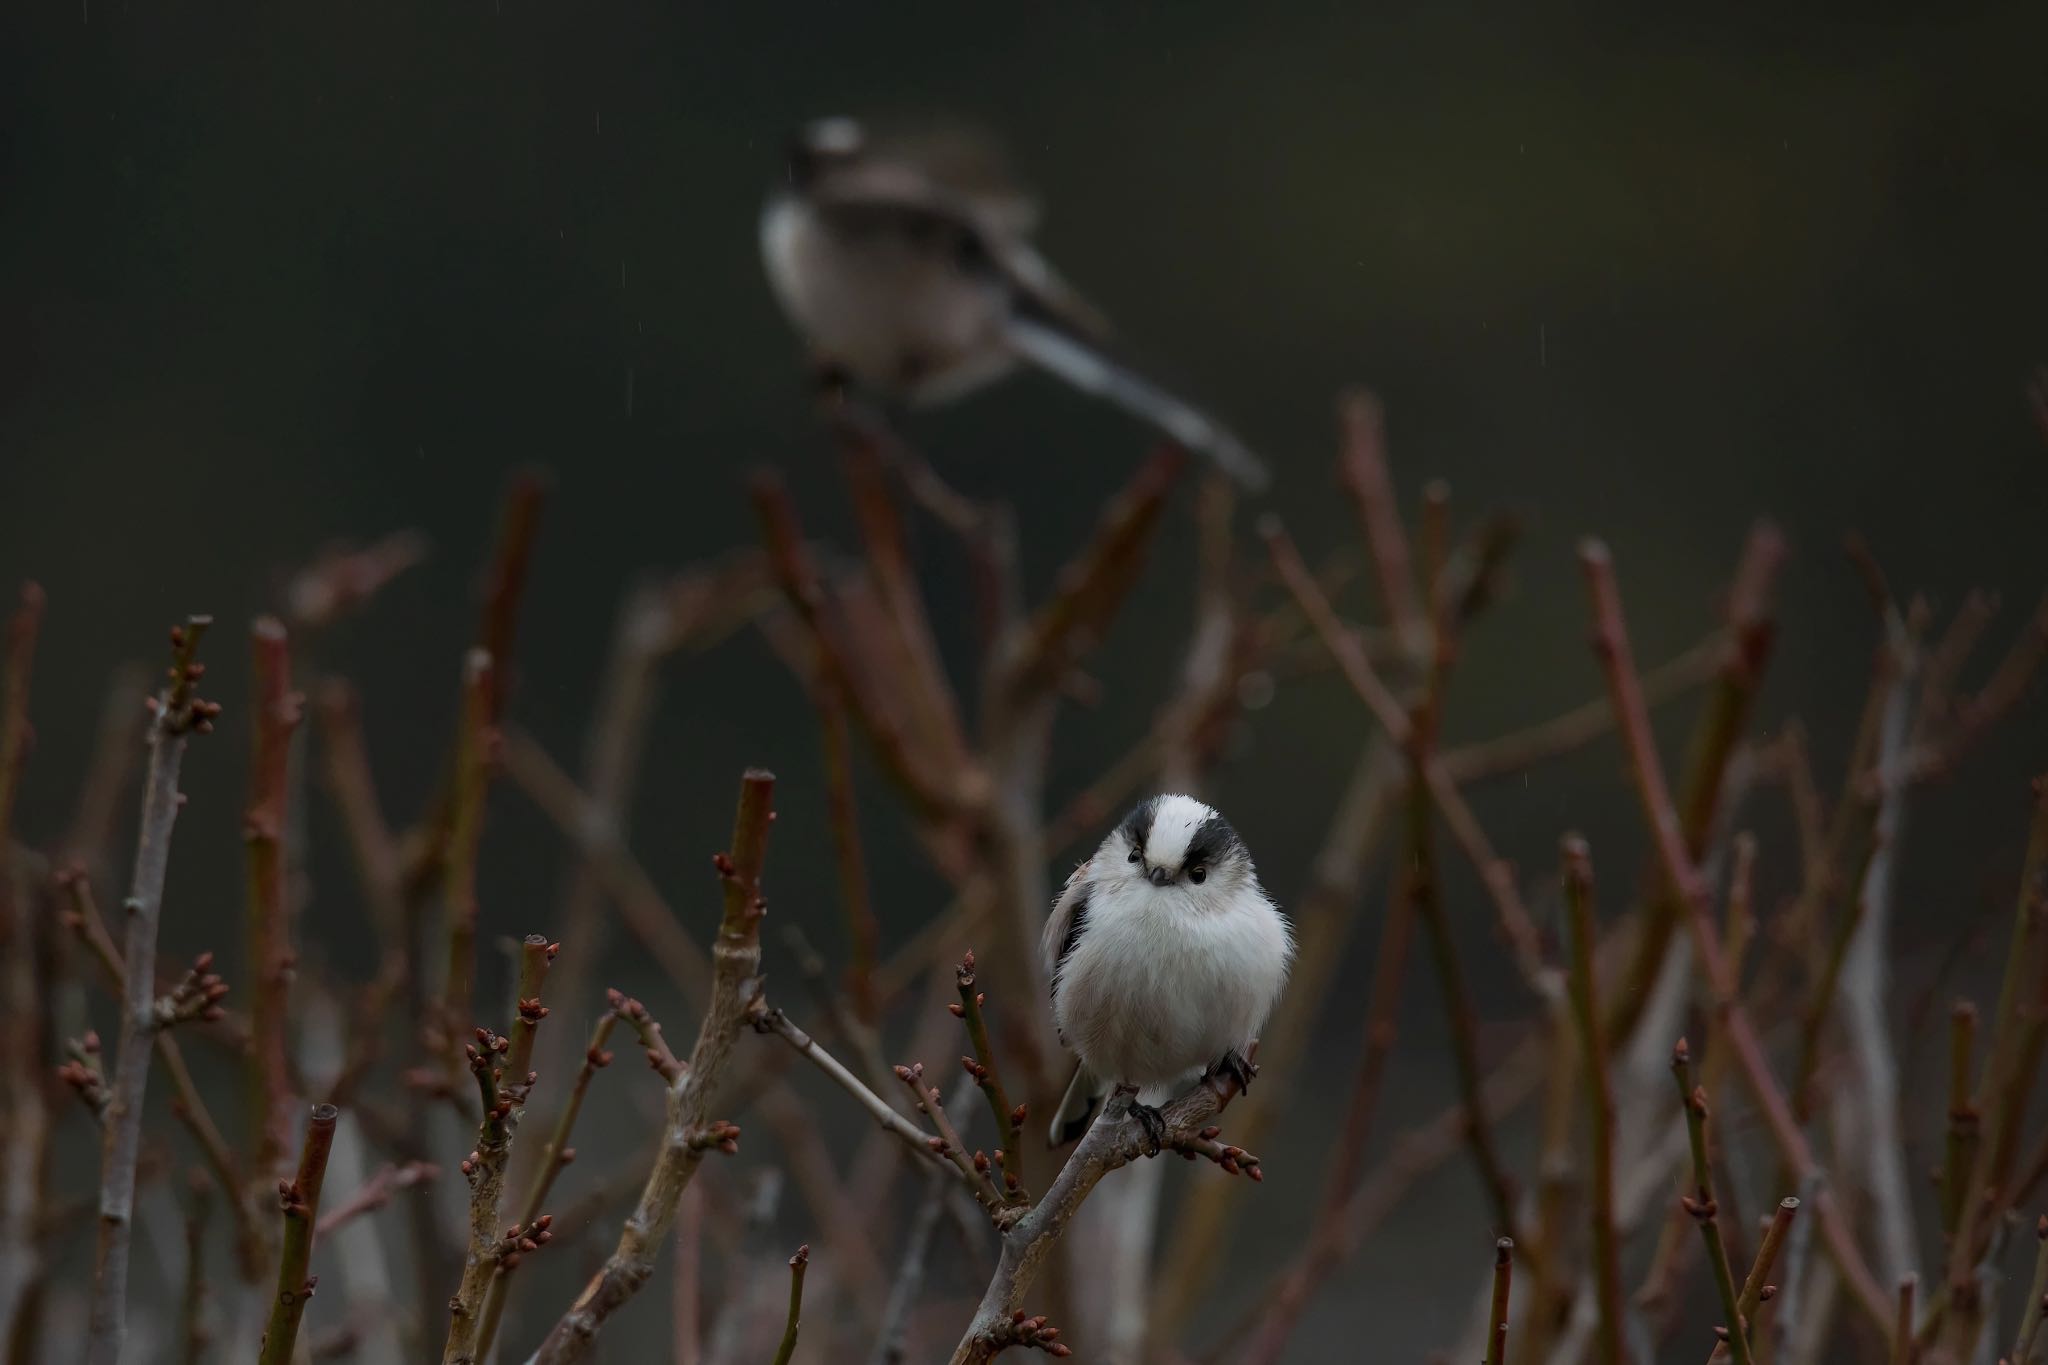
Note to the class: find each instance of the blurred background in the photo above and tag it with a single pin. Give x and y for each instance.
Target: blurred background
(277, 276)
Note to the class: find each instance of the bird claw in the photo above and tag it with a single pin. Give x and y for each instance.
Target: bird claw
(1237, 1069)
(1154, 1124)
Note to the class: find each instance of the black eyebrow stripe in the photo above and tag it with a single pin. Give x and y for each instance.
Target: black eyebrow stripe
(1137, 826)
(1213, 838)
(1075, 925)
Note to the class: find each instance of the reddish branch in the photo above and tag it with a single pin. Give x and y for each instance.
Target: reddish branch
(1695, 897)
(300, 1202)
(277, 710)
(475, 746)
(24, 1159)
(179, 713)
(1009, 1118)
(1599, 1091)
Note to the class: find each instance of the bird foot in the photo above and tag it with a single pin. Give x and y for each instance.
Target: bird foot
(1148, 1117)
(1235, 1068)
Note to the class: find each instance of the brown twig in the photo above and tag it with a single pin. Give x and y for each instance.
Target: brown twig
(737, 960)
(179, 713)
(973, 1166)
(1700, 1204)
(24, 1034)
(1695, 899)
(1497, 1309)
(300, 1201)
(1362, 468)
(797, 1265)
(597, 841)
(375, 1193)
(501, 1066)
(555, 1156)
(277, 712)
(1009, 1118)
(1599, 1089)
(342, 578)
(2037, 1298)
(1902, 1329)
(475, 743)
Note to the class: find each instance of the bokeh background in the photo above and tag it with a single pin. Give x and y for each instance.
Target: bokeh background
(276, 275)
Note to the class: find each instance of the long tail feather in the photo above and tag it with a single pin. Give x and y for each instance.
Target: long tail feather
(1077, 1108)
(1087, 369)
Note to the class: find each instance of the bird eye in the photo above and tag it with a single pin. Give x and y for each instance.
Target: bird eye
(1198, 874)
(1135, 855)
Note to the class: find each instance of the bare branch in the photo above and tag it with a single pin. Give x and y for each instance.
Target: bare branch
(300, 1201)
(737, 961)
(179, 713)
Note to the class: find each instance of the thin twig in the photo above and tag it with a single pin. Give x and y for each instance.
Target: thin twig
(277, 712)
(1578, 895)
(1497, 1309)
(375, 1193)
(2037, 1297)
(1902, 1330)
(893, 1340)
(1700, 1203)
(598, 842)
(797, 1265)
(475, 742)
(1009, 1119)
(179, 712)
(554, 1158)
(1362, 467)
(300, 1201)
(501, 1066)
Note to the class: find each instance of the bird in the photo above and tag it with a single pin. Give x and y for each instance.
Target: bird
(903, 258)
(1165, 956)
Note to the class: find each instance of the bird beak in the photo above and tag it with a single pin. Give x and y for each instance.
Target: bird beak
(1158, 876)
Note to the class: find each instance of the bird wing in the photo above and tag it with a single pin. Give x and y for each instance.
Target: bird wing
(1064, 926)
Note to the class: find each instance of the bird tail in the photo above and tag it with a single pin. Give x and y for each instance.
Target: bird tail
(1077, 1108)
(1053, 348)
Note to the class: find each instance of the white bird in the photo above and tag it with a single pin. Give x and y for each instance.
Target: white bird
(1165, 957)
(904, 260)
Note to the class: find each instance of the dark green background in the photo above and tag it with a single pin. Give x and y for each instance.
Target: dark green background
(271, 275)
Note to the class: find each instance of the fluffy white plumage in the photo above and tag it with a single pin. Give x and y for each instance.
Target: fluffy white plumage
(1165, 956)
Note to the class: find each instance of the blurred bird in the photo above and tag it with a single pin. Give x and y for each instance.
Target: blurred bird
(1165, 958)
(904, 259)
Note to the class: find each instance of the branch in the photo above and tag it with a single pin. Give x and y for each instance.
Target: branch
(300, 1201)
(1700, 1204)
(503, 1104)
(1578, 895)
(1497, 1311)
(554, 1157)
(343, 578)
(375, 1193)
(179, 712)
(597, 841)
(475, 742)
(187, 1103)
(278, 710)
(736, 966)
(1696, 900)
(797, 1265)
(982, 1066)
(1362, 466)
(1113, 1141)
